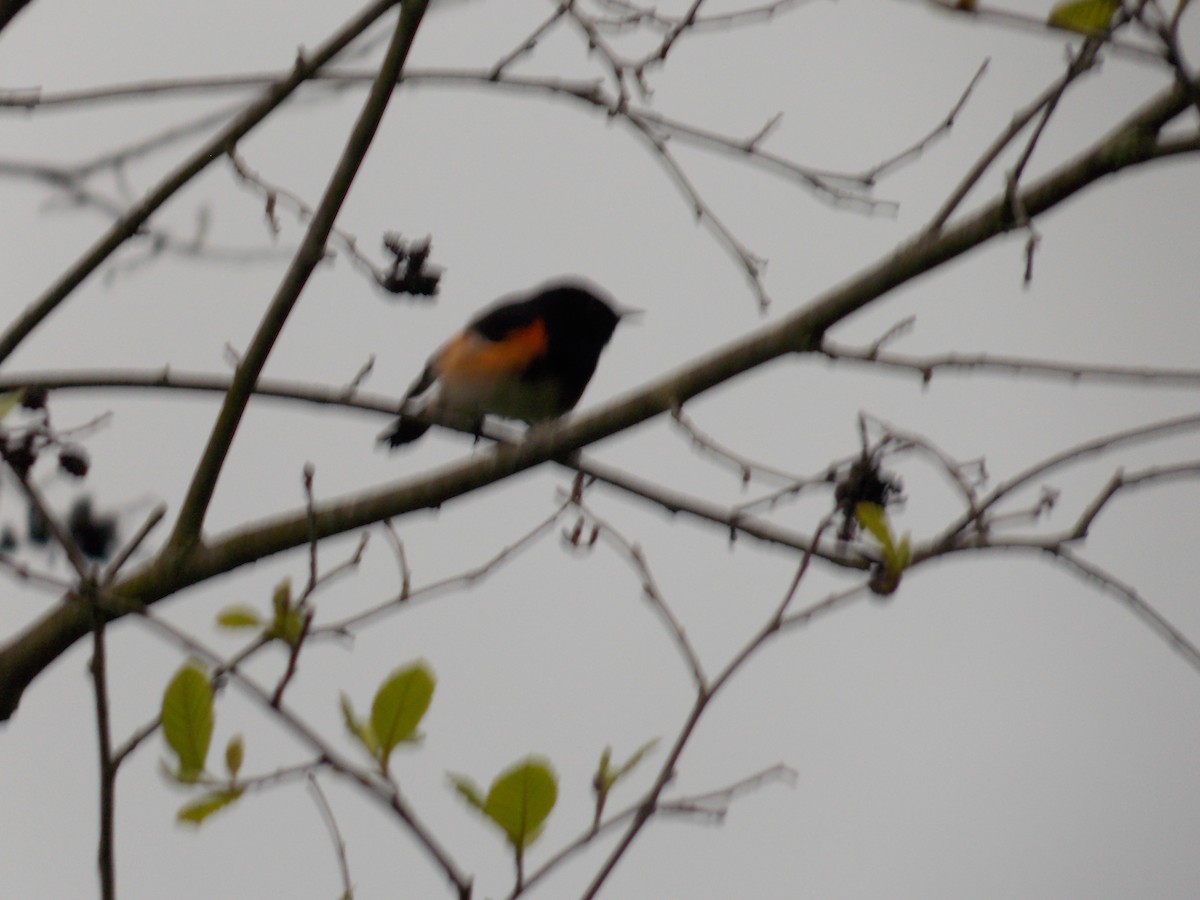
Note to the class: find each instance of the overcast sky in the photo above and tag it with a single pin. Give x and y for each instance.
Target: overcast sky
(998, 729)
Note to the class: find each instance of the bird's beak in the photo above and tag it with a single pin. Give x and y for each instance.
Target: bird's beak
(629, 313)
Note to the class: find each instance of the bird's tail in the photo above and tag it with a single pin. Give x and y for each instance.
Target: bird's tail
(403, 431)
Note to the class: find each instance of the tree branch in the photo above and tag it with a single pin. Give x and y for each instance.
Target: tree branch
(1132, 143)
(312, 250)
(132, 222)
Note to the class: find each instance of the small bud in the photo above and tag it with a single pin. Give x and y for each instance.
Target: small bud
(34, 397)
(22, 456)
(95, 534)
(74, 461)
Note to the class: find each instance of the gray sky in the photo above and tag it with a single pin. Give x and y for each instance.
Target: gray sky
(998, 729)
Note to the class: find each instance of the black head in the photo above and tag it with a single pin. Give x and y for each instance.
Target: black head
(577, 314)
(580, 319)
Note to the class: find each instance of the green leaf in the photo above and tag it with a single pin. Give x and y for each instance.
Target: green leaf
(358, 728)
(282, 598)
(239, 616)
(399, 705)
(603, 779)
(200, 809)
(9, 401)
(520, 799)
(235, 752)
(287, 627)
(187, 718)
(873, 518)
(468, 790)
(1087, 17)
(606, 776)
(288, 622)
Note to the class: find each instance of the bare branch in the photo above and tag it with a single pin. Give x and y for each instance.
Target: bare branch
(204, 481)
(454, 582)
(1080, 64)
(335, 835)
(943, 128)
(735, 521)
(1037, 24)
(153, 241)
(627, 14)
(954, 470)
(747, 468)
(122, 556)
(83, 569)
(751, 264)
(1134, 600)
(528, 45)
(274, 196)
(926, 366)
(716, 802)
(650, 590)
(25, 573)
(1071, 455)
(1131, 144)
(133, 221)
(378, 789)
(135, 740)
(106, 852)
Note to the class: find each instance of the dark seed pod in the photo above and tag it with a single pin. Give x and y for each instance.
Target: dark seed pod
(34, 397)
(74, 461)
(94, 534)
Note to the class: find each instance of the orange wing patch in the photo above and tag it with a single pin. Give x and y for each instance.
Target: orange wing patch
(470, 356)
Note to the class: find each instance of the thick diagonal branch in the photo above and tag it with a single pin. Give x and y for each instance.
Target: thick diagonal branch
(131, 223)
(1133, 143)
(310, 253)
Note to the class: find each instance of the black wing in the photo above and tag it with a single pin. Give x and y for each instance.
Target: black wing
(405, 430)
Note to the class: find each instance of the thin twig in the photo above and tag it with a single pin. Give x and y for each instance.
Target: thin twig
(954, 470)
(649, 804)
(204, 480)
(401, 559)
(408, 594)
(651, 592)
(135, 740)
(1128, 595)
(136, 218)
(734, 521)
(25, 573)
(1130, 145)
(274, 196)
(1079, 65)
(131, 546)
(1070, 455)
(529, 44)
(747, 468)
(106, 850)
(75, 556)
(691, 804)
(289, 671)
(1037, 24)
(752, 265)
(378, 789)
(335, 835)
(870, 176)
(925, 367)
(717, 801)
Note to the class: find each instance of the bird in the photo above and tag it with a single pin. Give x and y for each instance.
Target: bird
(528, 356)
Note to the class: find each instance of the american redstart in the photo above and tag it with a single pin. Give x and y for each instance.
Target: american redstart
(528, 356)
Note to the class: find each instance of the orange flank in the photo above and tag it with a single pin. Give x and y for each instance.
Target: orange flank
(470, 356)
